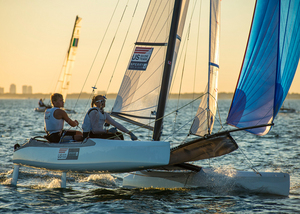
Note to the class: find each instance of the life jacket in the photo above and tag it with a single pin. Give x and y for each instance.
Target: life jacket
(52, 125)
(86, 125)
(41, 103)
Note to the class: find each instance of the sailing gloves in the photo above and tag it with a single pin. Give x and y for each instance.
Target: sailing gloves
(114, 131)
(132, 136)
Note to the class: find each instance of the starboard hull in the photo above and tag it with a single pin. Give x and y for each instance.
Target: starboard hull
(94, 155)
(263, 183)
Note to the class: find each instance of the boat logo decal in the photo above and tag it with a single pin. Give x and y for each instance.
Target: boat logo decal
(68, 154)
(140, 58)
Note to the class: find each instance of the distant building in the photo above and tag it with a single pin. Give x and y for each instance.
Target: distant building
(29, 89)
(1, 90)
(24, 89)
(12, 89)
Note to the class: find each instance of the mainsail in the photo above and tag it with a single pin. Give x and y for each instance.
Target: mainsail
(269, 66)
(66, 73)
(138, 96)
(204, 120)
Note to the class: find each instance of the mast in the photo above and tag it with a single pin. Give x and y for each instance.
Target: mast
(167, 70)
(72, 37)
(66, 73)
(208, 82)
(205, 117)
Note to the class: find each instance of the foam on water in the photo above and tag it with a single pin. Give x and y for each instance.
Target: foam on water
(38, 191)
(104, 179)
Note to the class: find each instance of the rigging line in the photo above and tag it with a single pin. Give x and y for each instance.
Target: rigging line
(280, 157)
(184, 44)
(240, 149)
(87, 102)
(181, 52)
(197, 50)
(252, 166)
(60, 74)
(183, 69)
(175, 131)
(122, 47)
(166, 115)
(181, 107)
(111, 44)
(97, 52)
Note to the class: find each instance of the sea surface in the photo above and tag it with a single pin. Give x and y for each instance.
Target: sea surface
(38, 191)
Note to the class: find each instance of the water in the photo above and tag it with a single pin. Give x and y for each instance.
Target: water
(38, 191)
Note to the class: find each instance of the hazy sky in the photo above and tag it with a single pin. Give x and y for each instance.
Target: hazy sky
(35, 36)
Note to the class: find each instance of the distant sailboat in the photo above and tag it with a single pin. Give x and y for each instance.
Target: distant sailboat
(285, 109)
(267, 72)
(63, 83)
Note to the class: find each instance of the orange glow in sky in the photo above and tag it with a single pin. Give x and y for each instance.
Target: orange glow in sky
(35, 36)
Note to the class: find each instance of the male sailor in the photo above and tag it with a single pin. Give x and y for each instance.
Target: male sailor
(95, 118)
(54, 121)
(41, 103)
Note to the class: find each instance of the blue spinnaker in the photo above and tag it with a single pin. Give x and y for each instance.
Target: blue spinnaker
(269, 65)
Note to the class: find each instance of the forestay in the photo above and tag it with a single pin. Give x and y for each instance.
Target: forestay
(138, 95)
(66, 73)
(269, 66)
(204, 120)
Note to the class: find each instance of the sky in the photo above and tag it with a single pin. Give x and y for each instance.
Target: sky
(35, 36)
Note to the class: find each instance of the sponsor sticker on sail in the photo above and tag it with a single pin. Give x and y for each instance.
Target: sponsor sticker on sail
(140, 58)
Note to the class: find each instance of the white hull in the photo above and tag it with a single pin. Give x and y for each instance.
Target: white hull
(265, 182)
(40, 109)
(94, 155)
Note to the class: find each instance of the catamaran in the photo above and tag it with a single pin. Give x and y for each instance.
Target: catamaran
(267, 72)
(268, 68)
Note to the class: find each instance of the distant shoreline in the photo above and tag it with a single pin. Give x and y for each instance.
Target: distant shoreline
(222, 95)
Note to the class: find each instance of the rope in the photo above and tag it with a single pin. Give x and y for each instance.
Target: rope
(166, 115)
(198, 36)
(111, 45)
(122, 47)
(181, 79)
(252, 166)
(97, 52)
(186, 41)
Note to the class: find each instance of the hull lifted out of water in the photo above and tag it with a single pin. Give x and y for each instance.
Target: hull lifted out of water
(269, 65)
(93, 155)
(263, 183)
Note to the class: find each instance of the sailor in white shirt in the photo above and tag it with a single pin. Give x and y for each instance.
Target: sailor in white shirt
(54, 121)
(95, 118)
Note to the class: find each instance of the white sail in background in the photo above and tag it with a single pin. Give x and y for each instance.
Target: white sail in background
(204, 120)
(137, 98)
(66, 73)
